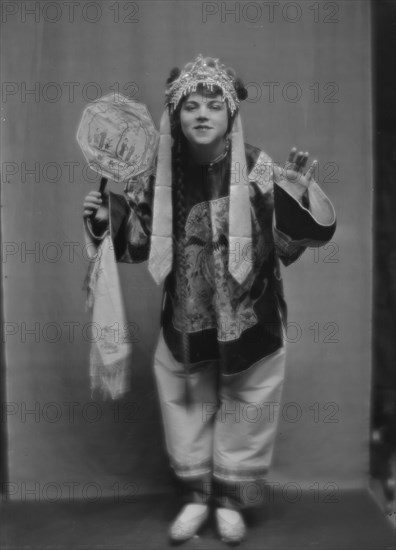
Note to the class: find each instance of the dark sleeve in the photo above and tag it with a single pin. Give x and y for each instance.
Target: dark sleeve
(310, 222)
(130, 229)
(130, 217)
(297, 220)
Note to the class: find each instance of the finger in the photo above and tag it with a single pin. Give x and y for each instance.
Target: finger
(299, 159)
(94, 194)
(277, 171)
(91, 204)
(92, 200)
(304, 160)
(292, 154)
(87, 212)
(311, 170)
(91, 209)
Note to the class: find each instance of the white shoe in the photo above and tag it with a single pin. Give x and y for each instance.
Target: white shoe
(187, 523)
(230, 525)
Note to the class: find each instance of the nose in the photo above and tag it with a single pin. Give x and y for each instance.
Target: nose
(202, 113)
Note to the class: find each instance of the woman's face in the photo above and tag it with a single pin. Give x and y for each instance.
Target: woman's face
(204, 118)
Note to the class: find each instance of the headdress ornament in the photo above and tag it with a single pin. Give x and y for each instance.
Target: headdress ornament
(209, 72)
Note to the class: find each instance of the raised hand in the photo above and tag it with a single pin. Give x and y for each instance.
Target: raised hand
(292, 175)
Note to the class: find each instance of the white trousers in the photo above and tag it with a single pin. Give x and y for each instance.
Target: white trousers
(227, 434)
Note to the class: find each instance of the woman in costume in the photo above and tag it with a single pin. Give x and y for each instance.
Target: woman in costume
(214, 221)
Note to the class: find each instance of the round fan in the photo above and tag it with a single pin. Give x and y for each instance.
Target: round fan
(118, 138)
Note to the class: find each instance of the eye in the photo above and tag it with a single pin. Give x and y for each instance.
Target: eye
(188, 107)
(216, 106)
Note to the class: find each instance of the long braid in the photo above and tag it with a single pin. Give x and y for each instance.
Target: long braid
(180, 249)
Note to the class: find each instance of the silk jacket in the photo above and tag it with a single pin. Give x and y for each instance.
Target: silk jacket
(225, 321)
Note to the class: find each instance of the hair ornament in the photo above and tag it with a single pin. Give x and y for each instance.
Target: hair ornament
(209, 72)
(241, 91)
(175, 73)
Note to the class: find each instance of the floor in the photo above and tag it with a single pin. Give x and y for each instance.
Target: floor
(354, 522)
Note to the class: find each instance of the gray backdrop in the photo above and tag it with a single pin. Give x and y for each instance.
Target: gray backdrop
(307, 66)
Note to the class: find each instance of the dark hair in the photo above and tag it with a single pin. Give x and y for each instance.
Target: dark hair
(179, 149)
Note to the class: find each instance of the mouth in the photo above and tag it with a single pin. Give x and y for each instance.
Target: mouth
(202, 127)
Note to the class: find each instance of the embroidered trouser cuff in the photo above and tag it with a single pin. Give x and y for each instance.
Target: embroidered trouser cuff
(220, 494)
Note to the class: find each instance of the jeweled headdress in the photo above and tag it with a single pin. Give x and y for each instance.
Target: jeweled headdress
(209, 72)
